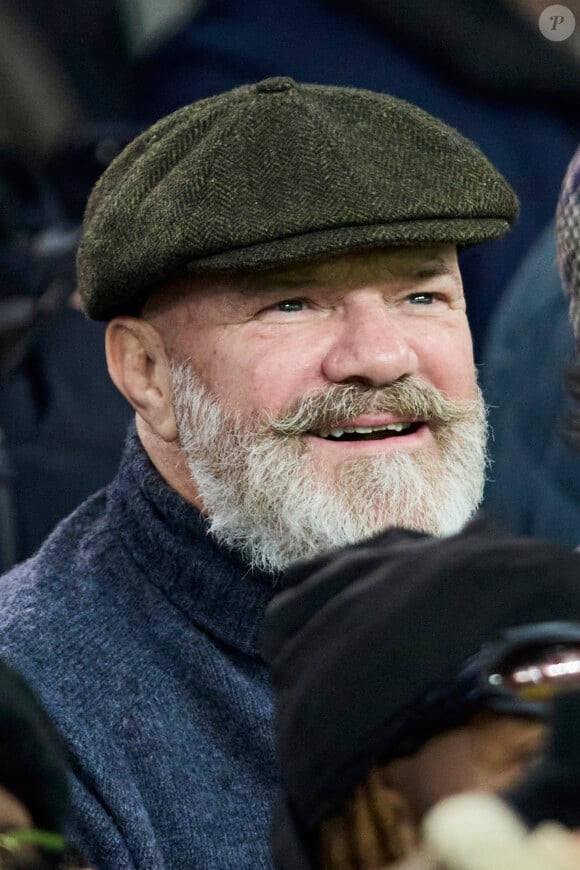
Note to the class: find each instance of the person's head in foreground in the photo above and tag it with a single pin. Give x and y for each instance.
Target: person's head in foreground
(34, 791)
(535, 825)
(568, 235)
(406, 669)
(279, 268)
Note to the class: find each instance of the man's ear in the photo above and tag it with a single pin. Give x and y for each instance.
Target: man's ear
(139, 367)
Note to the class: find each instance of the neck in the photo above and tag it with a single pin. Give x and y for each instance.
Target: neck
(168, 459)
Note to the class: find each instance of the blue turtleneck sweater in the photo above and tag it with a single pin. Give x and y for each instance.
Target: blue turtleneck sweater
(140, 635)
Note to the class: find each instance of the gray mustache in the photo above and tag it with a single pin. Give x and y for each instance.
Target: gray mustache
(408, 397)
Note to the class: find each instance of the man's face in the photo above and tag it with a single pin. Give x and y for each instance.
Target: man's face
(274, 373)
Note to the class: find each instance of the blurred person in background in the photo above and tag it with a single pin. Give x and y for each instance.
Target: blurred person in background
(530, 379)
(62, 423)
(568, 235)
(62, 64)
(406, 670)
(55, 447)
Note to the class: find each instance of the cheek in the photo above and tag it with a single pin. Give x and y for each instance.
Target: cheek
(447, 360)
(444, 766)
(259, 373)
(500, 780)
(277, 379)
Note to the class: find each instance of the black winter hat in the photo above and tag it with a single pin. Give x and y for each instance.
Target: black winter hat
(276, 173)
(360, 636)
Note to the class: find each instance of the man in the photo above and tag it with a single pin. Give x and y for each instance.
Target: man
(278, 266)
(406, 670)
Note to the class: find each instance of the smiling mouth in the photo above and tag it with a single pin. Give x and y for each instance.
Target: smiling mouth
(369, 433)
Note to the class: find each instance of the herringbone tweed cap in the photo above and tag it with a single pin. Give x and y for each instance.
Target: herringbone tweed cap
(276, 173)
(568, 234)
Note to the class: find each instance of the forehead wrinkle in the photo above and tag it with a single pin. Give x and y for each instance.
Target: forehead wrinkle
(282, 282)
(351, 269)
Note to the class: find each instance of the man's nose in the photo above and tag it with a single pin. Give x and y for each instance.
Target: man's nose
(371, 346)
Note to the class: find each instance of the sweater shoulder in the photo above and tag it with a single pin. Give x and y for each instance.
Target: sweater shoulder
(45, 583)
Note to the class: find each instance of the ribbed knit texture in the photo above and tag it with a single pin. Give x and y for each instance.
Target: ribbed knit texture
(140, 635)
(276, 173)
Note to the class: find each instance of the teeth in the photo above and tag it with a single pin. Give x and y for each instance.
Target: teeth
(364, 430)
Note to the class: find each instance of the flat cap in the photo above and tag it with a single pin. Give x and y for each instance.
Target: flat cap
(361, 635)
(276, 173)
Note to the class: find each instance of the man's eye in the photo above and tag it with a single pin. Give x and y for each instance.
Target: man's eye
(421, 298)
(289, 305)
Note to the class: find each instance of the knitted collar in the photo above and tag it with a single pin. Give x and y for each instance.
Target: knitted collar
(169, 541)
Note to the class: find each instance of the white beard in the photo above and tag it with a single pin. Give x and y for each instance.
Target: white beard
(263, 492)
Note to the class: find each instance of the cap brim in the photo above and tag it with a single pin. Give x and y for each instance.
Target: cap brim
(309, 246)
